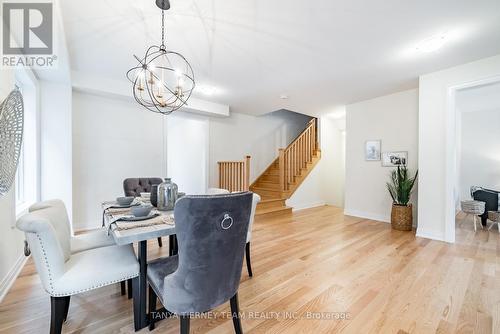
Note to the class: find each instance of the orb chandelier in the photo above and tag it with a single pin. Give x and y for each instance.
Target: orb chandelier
(163, 80)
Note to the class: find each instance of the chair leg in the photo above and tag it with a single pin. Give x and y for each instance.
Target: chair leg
(475, 229)
(57, 309)
(66, 306)
(173, 247)
(248, 259)
(170, 245)
(152, 307)
(123, 288)
(235, 314)
(129, 288)
(160, 243)
(184, 324)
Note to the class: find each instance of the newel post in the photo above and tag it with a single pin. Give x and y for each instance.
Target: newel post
(247, 173)
(281, 164)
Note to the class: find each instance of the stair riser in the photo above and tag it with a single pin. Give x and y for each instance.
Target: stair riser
(284, 212)
(267, 193)
(270, 178)
(270, 205)
(267, 185)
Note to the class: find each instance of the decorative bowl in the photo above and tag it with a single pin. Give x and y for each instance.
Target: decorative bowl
(142, 210)
(124, 201)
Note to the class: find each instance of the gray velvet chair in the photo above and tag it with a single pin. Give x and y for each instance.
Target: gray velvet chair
(134, 186)
(211, 233)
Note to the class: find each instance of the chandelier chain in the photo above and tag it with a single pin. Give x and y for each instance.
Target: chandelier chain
(162, 28)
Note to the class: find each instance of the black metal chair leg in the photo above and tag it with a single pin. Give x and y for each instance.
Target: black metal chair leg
(129, 287)
(235, 314)
(67, 299)
(152, 308)
(248, 260)
(123, 288)
(57, 309)
(184, 324)
(160, 243)
(170, 245)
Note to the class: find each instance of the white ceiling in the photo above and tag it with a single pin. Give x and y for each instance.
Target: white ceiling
(321, 53)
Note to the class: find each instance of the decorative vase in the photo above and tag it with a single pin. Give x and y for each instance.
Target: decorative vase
(167, 195)
(402, 217)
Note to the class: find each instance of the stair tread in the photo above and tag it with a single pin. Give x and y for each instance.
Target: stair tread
(266, 189)
(267, 200)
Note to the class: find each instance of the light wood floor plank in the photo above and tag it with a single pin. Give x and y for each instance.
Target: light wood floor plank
(309, 268)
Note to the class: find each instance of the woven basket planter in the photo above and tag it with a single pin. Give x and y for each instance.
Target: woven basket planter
(401, 217)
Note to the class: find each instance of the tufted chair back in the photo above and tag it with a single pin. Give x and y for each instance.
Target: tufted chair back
(136, 186)
(211, 232)
(47, 231)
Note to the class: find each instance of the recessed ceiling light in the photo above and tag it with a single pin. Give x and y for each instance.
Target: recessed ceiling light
(284, 97)
(432, 44)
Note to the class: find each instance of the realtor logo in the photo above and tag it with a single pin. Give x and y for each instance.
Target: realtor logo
(28, 34)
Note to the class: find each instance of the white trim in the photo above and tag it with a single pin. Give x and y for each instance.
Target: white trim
(430, 235)
(308, 206)
(367, 215)
(452, 141)
(11, 276)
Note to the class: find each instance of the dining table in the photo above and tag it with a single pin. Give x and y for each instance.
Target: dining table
(128, 232)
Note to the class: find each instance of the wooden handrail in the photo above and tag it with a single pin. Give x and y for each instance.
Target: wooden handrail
(234, 175)
(297, 155)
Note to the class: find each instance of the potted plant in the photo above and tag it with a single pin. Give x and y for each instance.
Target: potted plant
(400, 187)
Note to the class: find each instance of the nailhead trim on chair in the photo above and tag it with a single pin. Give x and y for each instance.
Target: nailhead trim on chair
(53, 294)
(46, 263)
(93, 287)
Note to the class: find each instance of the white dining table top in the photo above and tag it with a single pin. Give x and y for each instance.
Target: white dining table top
(124, 237)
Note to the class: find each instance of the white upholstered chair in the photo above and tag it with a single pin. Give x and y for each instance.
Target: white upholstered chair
(217, 191)
(255, 201)
(89, 240)
(63, 272)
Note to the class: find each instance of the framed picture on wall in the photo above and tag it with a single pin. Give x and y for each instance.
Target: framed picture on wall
(394, 159)
(372, 150)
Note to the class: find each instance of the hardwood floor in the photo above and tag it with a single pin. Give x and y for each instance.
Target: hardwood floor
(316, 263)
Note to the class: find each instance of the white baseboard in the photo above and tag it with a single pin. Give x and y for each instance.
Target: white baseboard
(367, 215)
(429, 235)
(11, 276)
(308, 206)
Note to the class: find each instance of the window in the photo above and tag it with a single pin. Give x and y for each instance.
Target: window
(27, 174)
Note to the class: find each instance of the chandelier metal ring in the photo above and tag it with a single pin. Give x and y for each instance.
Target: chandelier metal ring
(163, 80)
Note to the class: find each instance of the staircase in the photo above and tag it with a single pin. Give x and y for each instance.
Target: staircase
(283, 176)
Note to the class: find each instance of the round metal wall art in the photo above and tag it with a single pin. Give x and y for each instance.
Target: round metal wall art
(11, 137)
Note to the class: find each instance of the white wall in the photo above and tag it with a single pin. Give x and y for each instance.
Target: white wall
(187, 151)
(437, 144)
(393, 119)
(11, 240)
(325, 183)
(479, 157)
(115, 138)
(112, 139)
(234, 137)
(56, 142)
